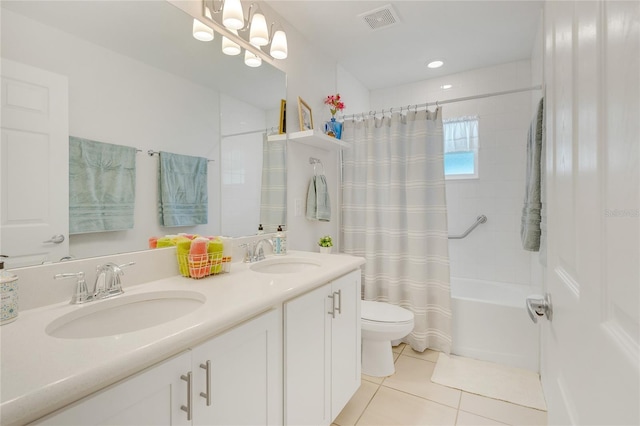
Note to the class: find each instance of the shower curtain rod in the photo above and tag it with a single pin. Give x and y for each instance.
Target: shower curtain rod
(250, 132)
(447, 101)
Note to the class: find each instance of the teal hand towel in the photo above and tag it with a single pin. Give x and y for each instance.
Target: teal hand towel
(102, 182)
(531, 211)
(318, 203)
(182, 190)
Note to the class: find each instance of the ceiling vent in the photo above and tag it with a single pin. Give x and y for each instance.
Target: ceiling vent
(381, 17)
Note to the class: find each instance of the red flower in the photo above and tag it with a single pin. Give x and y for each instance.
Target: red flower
(335, 104)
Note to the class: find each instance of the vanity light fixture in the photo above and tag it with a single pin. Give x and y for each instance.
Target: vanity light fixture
(230, 15)
(279, 48)
(258, 31)
(230, 47)
(251, 59)
(201, 31)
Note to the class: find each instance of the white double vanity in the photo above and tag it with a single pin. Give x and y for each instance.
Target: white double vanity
(277, 345)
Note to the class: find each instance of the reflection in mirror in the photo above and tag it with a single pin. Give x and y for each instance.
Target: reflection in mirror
(124, 73)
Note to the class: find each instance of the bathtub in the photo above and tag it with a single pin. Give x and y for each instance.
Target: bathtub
(490, 323)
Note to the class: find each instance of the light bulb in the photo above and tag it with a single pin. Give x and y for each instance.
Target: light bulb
(279, 45)
(201, 31)
(258, 32)
(233, 15)
(229, 47)
(251, 60)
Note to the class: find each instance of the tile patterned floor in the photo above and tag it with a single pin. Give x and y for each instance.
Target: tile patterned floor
(410, 398)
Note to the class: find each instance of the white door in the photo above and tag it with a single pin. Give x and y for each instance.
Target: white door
(244, 372)
(590, 352)
(34, 165)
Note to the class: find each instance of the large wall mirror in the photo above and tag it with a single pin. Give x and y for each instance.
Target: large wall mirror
(130, 73)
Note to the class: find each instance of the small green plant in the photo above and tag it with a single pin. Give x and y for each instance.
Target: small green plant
(325, 241)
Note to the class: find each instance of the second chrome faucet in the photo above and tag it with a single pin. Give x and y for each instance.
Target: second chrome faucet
(254, 251)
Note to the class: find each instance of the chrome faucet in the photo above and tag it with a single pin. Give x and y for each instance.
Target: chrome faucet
(107, 283)
(254, 251)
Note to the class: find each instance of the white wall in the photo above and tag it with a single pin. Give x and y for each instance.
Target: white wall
(493, 251)
(116, 99)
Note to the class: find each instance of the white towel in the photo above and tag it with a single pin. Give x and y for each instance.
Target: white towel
(318, 204)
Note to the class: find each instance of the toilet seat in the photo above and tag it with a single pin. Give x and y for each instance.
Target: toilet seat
(381, 312)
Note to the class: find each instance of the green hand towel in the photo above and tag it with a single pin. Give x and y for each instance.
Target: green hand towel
(182, 190)
(318, 203)
(102, 182)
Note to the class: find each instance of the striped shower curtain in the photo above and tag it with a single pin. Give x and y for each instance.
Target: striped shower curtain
(394, 214)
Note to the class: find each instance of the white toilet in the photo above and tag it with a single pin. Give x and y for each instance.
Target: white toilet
(382, 323)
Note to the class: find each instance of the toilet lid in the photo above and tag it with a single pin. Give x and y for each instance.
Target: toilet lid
(384, 312)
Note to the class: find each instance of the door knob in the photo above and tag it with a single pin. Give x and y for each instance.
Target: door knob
(538, 306)
(56, 239)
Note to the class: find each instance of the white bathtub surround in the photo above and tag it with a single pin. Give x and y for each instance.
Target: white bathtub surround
(395, 215)
(496, 381)
(273, 191)
(490, 323)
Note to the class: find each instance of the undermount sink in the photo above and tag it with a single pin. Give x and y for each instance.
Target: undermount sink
(284, 265)
(125, 314)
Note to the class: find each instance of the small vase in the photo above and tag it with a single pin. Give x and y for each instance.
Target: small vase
(333, 128)
(325, 250)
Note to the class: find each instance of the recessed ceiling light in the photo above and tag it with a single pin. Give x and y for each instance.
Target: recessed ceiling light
(435, 64)
(446, 86)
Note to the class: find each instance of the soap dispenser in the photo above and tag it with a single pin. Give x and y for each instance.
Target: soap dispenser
(260, 229)
(9, 294)
(280, 242)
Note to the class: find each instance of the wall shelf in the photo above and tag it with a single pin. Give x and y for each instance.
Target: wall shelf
(318, 139)
(275, 138)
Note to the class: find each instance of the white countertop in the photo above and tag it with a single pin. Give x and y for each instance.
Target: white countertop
(40, 373)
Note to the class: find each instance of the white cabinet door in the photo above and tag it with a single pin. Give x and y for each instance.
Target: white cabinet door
(34, 165)
(307, 336)
(345, 341)
(244, 371)
(153, 397)
(322, 351)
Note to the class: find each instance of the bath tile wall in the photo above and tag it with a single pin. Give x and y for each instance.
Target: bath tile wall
(493, 251)
(241, 166)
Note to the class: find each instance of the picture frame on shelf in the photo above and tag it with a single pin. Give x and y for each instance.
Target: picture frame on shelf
(283, 117)
(305, 115)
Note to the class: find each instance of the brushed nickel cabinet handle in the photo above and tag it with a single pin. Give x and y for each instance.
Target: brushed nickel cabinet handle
(207, 395)
(332, 312)
(187, 379)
